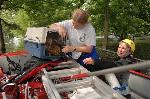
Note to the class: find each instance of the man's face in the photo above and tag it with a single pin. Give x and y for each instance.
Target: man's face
(77, 25)
(123, 50)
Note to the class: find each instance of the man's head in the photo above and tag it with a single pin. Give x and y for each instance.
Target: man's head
(126, 47)
(80, 18)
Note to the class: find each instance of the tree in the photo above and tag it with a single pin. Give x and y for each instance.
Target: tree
(126, 17)
(6, 5)
(106, 24)
(2, 44)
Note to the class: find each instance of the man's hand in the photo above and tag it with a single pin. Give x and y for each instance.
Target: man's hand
(67, 49)
(88, 61)
(62, 31)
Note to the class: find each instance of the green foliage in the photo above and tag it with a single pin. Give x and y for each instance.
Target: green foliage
(125, 17)
(96, 10)
(23, 21)
(45, 12)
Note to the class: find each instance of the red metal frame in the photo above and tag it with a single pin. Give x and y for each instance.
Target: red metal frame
(140, 74)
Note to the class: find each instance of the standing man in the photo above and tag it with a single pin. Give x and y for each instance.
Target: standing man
(81, 35)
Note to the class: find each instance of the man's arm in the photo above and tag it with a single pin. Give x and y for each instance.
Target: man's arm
(62, 30)
(85, 49)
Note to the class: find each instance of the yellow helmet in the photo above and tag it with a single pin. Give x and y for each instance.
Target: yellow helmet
(130, 43)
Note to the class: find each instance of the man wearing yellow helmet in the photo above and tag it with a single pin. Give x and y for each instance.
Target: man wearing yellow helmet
(130, 43)
(126, 47)
(125, 50)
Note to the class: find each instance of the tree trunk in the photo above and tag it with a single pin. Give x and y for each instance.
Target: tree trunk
(2, 44)
(106, 25)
